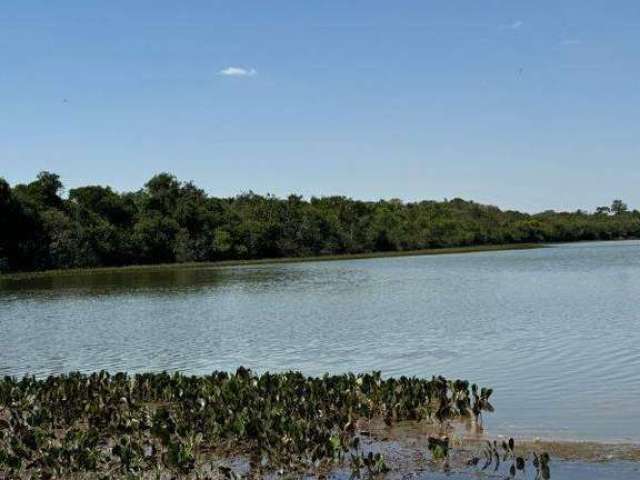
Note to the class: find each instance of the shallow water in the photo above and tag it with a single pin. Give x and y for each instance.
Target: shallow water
(561, 470)
(555, 331)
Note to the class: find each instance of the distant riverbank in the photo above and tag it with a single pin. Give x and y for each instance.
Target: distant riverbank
(170, 221)
(267, 261)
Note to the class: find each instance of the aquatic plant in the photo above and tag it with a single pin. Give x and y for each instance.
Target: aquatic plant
(373, 463)
(493, 455)
(439, 447)
(128, 425)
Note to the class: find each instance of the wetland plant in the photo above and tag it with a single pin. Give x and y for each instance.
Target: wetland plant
(439, 447)
(120, 425)
(505, 454)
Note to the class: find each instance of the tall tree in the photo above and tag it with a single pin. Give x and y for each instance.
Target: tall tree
(618, 207)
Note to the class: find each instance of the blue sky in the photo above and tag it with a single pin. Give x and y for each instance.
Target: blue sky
(528, 105)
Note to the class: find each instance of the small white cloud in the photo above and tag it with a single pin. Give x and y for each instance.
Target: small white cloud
(571, 42)
(238, 72)
(515, 25)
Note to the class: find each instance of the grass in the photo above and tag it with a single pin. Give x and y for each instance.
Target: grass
(267, 261)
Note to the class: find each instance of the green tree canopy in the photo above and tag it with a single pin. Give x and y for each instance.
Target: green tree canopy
(169, 220)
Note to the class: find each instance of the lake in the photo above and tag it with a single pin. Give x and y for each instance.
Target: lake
(555, 331)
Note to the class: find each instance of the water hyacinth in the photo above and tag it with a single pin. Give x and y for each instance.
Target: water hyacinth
(131, 424)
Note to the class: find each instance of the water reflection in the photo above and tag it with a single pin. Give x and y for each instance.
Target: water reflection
(143, 281)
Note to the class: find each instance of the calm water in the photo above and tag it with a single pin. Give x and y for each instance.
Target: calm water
(555, 331)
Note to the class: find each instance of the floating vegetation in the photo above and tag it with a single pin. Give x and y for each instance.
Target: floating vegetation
(178, 426)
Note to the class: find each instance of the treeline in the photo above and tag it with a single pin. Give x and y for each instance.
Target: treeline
(172, 221)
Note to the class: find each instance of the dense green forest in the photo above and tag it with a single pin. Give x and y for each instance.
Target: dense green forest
(172, 221)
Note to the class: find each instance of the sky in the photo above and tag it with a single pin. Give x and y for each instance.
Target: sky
(519, 104)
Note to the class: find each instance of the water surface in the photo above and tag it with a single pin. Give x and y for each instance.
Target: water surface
(555, 331)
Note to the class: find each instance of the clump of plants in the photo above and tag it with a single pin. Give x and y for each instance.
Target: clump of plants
(172, 424)
(494, 455)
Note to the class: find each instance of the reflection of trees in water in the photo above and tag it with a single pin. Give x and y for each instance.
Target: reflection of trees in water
(183, 280)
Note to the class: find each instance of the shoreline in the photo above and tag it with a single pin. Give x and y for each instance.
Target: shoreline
(568, 450)
(585, 450)
(410, 435)
(18, 276)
